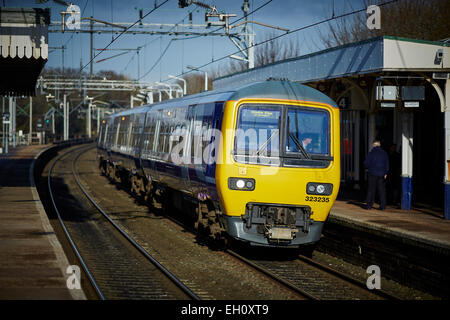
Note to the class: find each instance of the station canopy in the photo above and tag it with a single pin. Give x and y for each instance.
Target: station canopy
(374, 56)
(23, 49)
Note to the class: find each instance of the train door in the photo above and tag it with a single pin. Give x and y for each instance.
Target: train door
(214, 120)
(351, 148)
(115, 137)
(187, 164)
(138, 139)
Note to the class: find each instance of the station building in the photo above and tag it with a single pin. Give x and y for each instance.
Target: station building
(23, 49)
(23, 54)
(388, 88)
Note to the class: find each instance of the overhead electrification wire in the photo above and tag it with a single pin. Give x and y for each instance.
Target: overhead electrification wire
(206, 34)
(231, 23)
(82, 13)
(125, 30)
(165, 50)
(71, 37)
(131, 60)
(158, 60)
(288, 32)
(146, 44)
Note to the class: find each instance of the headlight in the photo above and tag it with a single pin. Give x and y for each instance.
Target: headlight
(243, 184)
(322, 189)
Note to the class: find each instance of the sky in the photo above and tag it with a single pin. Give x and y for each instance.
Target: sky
(165, 55)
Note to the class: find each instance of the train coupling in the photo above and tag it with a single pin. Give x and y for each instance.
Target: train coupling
(280, 233)
(278, 223)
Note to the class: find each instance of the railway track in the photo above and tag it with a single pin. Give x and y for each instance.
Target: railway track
(303, 276)
(117, 267)
(307, 277)
(314, 280)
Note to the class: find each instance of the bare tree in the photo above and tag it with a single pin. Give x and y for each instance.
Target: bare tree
(417, 19)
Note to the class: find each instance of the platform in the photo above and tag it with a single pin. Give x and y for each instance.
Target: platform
(32, 261)
(414, 225)
(410, 247)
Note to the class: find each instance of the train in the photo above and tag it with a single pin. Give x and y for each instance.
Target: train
(259, 163)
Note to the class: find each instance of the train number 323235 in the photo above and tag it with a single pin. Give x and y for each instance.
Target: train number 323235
(317, 199)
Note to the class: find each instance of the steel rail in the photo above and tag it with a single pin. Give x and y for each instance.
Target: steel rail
(172, 277)
(347, 278)
(74, 247)
(272, 275)
(250, 263)
(380, 293)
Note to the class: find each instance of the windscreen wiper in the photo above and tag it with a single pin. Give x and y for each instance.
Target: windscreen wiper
(299, 146)
(265, 144)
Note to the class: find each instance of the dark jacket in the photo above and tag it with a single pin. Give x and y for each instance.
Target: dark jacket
(377, 162)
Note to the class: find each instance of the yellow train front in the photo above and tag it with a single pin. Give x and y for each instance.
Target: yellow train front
(278, 168)
(260, 163)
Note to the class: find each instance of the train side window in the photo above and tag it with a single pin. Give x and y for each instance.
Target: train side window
(136, 132)
(174, 138)
(151, 134)
(161, 136)
(128, 137)
(116, 132)
(123, 134)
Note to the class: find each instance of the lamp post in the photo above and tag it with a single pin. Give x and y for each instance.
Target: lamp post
(181, 79)
(206, 75)
(165, 84)
(88, 118)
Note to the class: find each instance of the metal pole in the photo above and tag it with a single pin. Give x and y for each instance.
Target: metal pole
(206, 81)
(63, 47)
(68, 119)
(407, 160)
(181, 79)
(15, 121)
(447, 151)
(138, 71)
(11, 117)
(251, 50)
(3, 125)
(89, 119)
(98, 120)
(92, 47)
(65, 118)
(6, 125)
(31, 120)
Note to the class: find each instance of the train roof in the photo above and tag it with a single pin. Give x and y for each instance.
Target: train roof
(271, 89)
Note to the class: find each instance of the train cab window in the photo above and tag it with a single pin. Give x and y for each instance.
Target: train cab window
(257, 131)
(307, 131)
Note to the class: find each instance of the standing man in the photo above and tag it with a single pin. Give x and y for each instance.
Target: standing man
(377, 163)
